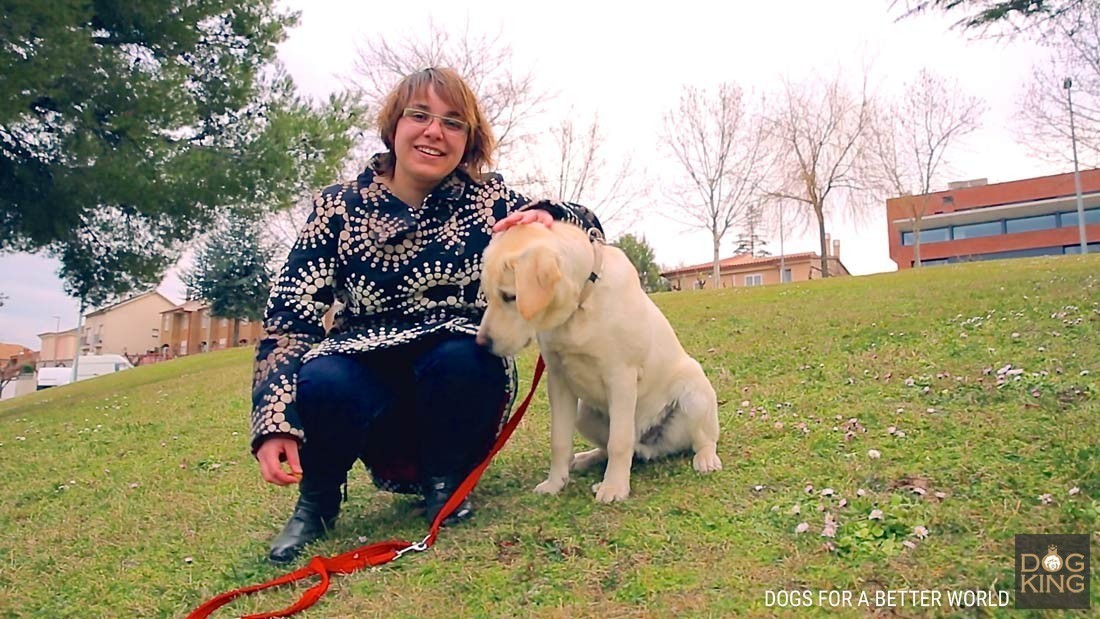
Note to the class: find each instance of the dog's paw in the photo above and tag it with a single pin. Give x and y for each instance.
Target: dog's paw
(607, 492)
(587, 459)
(551, 486)
(707, 462)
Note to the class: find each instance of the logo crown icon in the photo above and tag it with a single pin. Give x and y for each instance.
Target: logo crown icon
(1052, 549)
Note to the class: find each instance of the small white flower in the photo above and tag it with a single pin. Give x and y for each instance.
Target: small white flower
(874, 454)
(908, 544)
(843, 503)
(876, 514)
(802, 527)
(941, 495)
(920, 532)
(861, 492)
(827, 492)
(891, 429)
(135, 485)
(1046, 499)
(796, 510)
(758, 487)
(809, 488)
(188, 560)
(1074, 491)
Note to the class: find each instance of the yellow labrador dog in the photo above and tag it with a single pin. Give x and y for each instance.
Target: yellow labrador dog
(616, 371)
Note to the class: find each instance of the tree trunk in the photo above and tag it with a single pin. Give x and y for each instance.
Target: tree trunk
(916, 244)
(824, 244)
(236, 333)
(716, 270)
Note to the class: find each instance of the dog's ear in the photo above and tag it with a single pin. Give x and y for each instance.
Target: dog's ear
(537, 272)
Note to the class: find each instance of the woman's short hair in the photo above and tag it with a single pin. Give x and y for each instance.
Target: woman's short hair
(450, 87)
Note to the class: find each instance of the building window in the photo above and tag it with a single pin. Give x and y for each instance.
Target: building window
(974, 231)
(756, 279)
(1029, 224)
(156, 332)
(931, 235)
(1069, 219)
(786, 276)
(1076, 249)
(167, 322)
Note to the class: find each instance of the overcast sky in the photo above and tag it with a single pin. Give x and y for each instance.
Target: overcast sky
(629, 64)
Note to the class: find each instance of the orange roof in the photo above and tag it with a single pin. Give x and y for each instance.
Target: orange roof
(743, 260)
(189, 306)
(10, 350)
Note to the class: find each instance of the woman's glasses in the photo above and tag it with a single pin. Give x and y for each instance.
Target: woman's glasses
(421, 117)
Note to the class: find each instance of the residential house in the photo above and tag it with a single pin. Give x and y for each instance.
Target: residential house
(748, 270)
(974, 220)
(189, 328)
(15, 360)
(130, 327)
(56, 348)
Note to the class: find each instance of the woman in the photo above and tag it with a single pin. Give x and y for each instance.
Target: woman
(398, 381)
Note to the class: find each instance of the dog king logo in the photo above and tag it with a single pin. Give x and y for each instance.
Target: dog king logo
(1052, 571)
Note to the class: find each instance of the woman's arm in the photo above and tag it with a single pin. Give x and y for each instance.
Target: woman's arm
(293, 321)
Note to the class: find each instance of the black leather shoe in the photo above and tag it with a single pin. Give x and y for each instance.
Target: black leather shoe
(313, 516)
(436, 492)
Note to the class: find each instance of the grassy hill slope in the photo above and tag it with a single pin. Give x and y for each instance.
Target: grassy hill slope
(959, 399)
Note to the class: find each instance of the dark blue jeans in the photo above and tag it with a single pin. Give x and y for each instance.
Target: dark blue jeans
(452, 387)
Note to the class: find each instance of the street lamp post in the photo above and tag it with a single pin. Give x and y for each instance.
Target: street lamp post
(1068, 85)
(56, 336)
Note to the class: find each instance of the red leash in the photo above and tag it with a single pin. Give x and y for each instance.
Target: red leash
(374, 554)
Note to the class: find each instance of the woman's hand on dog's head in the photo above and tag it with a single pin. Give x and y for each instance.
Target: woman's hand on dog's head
(520, 218)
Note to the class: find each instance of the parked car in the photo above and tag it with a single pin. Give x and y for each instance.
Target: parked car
(89, 366)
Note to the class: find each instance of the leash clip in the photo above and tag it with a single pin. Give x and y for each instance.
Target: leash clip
(420, 546)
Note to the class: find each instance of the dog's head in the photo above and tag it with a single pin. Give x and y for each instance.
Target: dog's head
(523, 282)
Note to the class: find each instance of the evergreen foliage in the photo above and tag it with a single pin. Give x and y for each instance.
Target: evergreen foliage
(125, 126)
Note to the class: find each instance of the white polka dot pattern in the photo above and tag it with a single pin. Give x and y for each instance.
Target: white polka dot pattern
(401, 273)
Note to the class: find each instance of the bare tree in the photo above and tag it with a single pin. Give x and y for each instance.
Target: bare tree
(1044, 110)
(582, 172)
(912, 135)
(822, 129)
(721, 148)
(509, 98)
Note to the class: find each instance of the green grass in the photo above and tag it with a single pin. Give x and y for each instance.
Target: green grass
(134, 495)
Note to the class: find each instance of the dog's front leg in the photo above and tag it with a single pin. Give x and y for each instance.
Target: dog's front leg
(622, 401)
(563, 418)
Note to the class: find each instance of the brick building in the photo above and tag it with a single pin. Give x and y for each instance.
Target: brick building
(978, 221)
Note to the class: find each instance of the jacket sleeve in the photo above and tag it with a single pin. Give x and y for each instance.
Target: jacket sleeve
(563, 211)
(293, 320)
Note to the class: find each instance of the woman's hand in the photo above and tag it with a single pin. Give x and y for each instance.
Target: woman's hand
(271, 455)
(520, 218)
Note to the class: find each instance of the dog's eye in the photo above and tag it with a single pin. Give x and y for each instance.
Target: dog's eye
(508, 298)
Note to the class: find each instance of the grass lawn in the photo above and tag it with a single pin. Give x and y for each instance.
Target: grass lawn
(958, 405)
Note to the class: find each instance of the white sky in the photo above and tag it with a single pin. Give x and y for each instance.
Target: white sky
(629, 63)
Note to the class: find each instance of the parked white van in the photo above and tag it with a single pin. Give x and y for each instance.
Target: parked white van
(90, 366)
(53, 377)
(97, 365)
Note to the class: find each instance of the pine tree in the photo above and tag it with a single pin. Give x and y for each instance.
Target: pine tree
(232, 272)
(126, 126)
(749, 240)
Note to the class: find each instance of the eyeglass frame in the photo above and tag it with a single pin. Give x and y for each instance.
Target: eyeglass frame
(449, 123)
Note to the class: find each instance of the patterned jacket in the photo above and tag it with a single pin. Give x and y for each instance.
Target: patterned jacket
(400, 273)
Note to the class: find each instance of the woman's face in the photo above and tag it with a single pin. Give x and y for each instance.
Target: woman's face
(427, 152)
